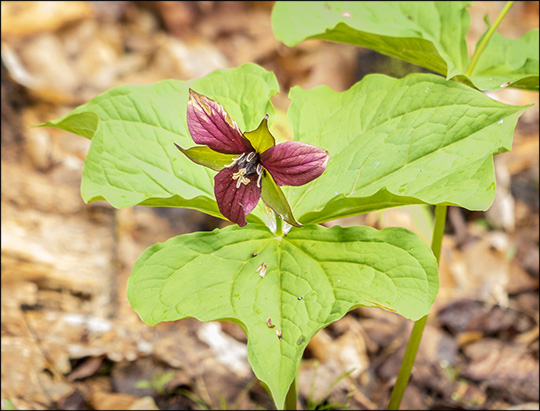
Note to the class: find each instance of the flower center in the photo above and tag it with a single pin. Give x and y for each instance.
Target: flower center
(248, 165)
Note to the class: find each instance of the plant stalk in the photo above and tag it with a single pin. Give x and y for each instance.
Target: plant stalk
(416, 334)
(292, 394)
(279, 225)
(484, 41)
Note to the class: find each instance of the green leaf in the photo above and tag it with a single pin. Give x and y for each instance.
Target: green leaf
(274, 198)
(143, 384)
(132, 158)
(314, 276)
(418, 140)
(419, 218)
(83, 124)
(207, 157)
(261, 139)
(8, 404)
(430, 34)
(508, 61)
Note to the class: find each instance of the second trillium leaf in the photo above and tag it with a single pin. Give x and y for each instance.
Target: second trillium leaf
(302, 282)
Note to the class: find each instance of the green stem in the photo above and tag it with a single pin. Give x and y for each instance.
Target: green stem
(416, 334)
(484, 41)
(279, 225)
(292, 396)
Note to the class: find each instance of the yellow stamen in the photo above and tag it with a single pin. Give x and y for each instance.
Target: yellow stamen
(240, 177)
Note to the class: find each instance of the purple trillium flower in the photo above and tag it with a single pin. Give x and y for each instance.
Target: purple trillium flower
(250, 165)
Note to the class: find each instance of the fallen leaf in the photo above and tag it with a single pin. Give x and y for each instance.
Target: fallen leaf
(504, 367)
(112, 401)
(25, 18)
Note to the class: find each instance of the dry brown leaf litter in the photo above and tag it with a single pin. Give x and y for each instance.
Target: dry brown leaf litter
(70, 339)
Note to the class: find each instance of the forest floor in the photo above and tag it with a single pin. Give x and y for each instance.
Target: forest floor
(69, 337)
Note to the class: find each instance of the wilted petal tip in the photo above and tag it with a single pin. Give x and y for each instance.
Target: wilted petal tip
(211, 125)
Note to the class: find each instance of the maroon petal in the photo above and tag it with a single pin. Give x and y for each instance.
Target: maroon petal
(236, 201)
(211, 125)
(294, 163)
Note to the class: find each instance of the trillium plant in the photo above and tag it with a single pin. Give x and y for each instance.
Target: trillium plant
(425, 139)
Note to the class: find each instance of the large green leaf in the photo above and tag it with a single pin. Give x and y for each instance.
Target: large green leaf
(132, 158)
(314, 276)
(429, 34)
(393, 142)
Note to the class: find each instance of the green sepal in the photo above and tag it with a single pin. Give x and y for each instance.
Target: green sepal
(261, 139)
(274, 198)
(207, 157)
